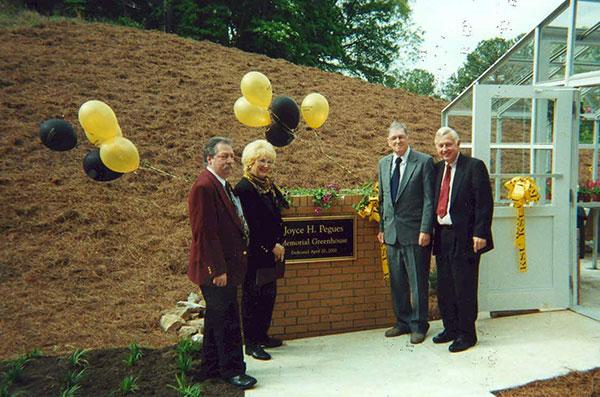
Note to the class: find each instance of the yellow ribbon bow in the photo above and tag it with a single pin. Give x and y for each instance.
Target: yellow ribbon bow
(522, 190)
(371, 211)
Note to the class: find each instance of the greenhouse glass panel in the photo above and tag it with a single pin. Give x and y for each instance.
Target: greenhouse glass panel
(553, 47)
(587, 44)
(516, 69)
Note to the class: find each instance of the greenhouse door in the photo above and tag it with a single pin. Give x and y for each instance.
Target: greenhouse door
(527, 131)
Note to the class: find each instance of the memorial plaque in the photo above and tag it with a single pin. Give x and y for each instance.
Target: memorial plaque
(319, 239)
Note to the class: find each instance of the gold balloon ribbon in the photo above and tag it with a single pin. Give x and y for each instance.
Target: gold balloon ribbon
(522, 190)
(371, 211)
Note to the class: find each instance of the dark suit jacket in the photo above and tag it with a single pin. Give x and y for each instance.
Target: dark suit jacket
(412, 211)
(218, 244)
(264, 222)
(471, 205)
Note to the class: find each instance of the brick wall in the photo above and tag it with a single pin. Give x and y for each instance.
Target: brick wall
(331, 297)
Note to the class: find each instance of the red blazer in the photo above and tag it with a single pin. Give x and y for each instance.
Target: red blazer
(218, 244)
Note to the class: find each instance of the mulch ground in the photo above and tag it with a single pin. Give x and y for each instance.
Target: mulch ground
(91, 265)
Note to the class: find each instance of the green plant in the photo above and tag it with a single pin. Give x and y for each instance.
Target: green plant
(187, 346)
(74, 377)
(135, 354)
(184, 389)
(323, 198)
(14, 369)
(77, 358)
(128, 385)
(367, 190)
(69, 391)
(184, 363)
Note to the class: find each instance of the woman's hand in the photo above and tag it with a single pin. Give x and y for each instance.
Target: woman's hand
(279, 252)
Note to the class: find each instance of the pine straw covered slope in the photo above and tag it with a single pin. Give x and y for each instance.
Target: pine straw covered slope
(89, 264)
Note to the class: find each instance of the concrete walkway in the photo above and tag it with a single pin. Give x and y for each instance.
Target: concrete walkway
(511, 351)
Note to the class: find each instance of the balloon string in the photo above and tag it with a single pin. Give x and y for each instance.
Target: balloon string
(320, 145)
(148, 167)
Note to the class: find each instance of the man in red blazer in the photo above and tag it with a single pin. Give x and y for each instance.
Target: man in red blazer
(462, 232)
(217, 263)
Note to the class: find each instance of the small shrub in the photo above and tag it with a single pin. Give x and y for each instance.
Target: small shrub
(187, 346)
(184, 389)
(128, 385)
(69, 391)
(135, 354)
(74, 377)
(78, 359)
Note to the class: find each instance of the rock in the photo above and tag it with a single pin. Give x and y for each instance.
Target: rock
(183, 312)
(198, 324)
(193, 297)
(170, 322)
(187, 331)
(197, 338)
(191, 306)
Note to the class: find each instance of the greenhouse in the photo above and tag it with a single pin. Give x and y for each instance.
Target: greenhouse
(536, 113)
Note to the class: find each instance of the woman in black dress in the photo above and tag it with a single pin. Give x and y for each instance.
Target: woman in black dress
(262, 202)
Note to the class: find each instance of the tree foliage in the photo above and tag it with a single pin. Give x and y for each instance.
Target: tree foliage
(478, 61)
(417, 81)
(364, 38)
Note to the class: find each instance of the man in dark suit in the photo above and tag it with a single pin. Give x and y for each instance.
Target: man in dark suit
(217, 263)
(406, 211)
(462, 233)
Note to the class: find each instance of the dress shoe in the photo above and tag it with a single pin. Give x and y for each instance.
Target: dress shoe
(271, 342)
(242, 381)
(257, 352)
(416, 338)
(461, 344)
(444, 337)
(395, 331)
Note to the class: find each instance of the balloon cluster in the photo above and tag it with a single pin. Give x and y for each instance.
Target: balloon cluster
(116, 154)
(252, 109)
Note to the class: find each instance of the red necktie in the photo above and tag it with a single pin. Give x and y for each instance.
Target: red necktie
(442, 207)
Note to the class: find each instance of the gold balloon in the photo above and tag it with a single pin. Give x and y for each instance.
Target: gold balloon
(95, 141)
(120, 154)
(315, 110)
(98, 121)
(256, 88)
(251, 115)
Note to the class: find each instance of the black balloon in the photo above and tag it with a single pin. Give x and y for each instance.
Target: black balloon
(95, 169)
(286, 111)
(279, 135)
(58, 135)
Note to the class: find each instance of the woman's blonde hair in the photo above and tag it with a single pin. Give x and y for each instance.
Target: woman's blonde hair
(256, 149)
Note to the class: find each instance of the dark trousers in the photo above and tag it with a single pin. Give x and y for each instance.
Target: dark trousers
(457, 282)
(222, 345)
(409, 283)
(257, 308)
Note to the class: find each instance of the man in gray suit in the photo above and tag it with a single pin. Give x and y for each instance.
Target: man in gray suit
(406, 210)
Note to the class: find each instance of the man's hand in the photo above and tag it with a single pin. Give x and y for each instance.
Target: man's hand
(380, 237)
(478, 243)
(279, 252)
(424, 239)
(221, 280)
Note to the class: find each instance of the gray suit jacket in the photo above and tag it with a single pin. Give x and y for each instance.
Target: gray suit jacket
(413, 210)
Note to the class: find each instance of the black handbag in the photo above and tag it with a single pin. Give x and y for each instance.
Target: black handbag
(265, 275)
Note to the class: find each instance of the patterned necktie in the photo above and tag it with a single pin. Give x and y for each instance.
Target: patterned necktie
(238, 209)
(395, 178)
(442, 207)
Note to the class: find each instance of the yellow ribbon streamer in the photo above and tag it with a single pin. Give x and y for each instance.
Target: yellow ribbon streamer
(371, 211)
(522, 190)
